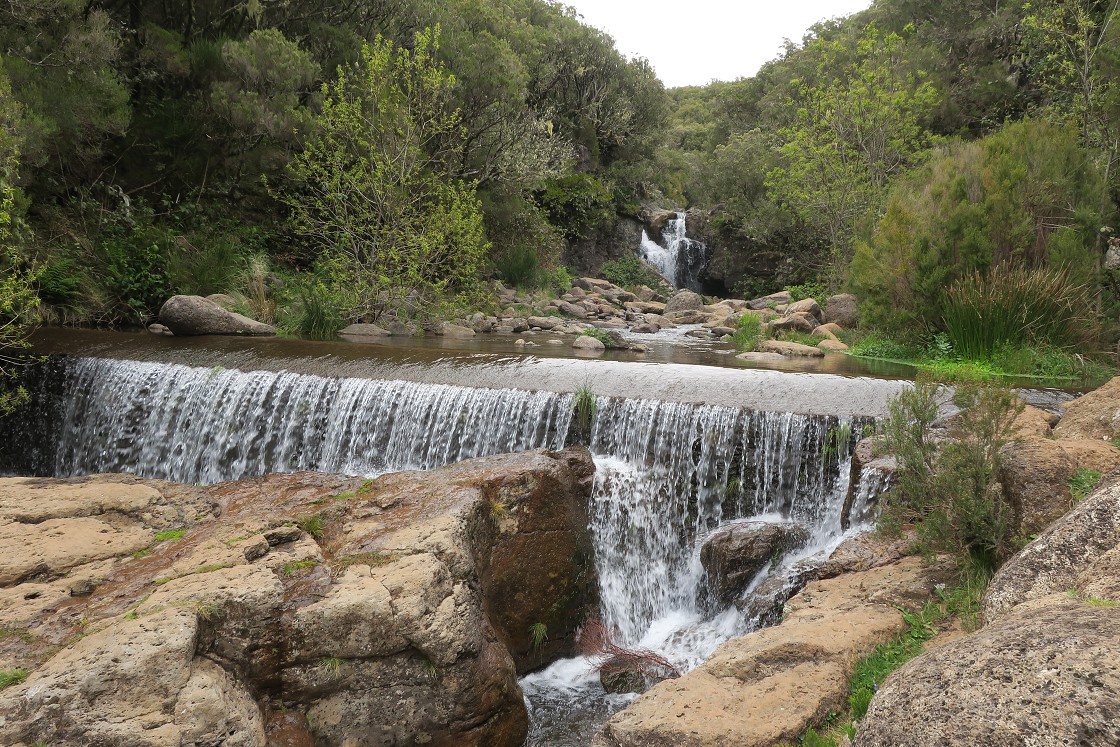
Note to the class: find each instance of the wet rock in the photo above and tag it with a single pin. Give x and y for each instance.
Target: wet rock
(832, 346)
(195, 315)
(789, 349)
(842, 309)
(1095, 415)
(364, 330)
(620, 679)
(701, 334)
(805, 306)
(447, 329)
(645, 329)
(872, 469)
(734, 555)
(761, 357)
(543, 322)
(684, 300)
(721, 331)
(159, 329)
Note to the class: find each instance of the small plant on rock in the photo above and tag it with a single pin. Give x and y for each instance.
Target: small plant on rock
(538, 634)
(1082, 483)
(584, 406)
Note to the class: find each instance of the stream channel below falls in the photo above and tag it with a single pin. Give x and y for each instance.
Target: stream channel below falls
(686, 440)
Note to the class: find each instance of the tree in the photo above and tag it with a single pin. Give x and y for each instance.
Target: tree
(370, 189)
(18, 299)
(857, 126)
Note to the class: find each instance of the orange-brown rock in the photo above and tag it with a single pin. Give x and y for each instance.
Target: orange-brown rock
(1095, 415)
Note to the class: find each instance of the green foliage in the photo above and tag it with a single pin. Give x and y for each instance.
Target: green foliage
(601, 335)
(135, 273)
(294, 567)
(315, 313)
(629, 272)
(584, 405)
(748, 332)
(9, 677)
(950, 488)
(576, 204)
(538, 634)
(815, 289)
(874, 668)
(169, 535)
(313, 525)
(1082, 483)
(369, 190)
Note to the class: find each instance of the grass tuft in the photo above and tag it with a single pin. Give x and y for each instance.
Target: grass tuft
(292, 568)
(170, 535)
(1082, 483)
(9, 677)
(748, 333)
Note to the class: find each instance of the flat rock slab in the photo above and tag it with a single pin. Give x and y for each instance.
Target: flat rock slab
(790, 349)
(50, 548)
(767, 687)
(30, 499)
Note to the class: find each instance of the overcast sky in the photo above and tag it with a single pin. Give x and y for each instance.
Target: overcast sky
(692, 42)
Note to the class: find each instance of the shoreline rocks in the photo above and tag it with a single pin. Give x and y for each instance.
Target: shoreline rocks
(195, 315)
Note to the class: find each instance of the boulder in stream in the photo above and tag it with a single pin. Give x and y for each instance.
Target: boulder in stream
(195, 315)
(733, 555)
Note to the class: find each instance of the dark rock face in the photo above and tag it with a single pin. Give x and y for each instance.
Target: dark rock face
(734, 555)
(393, 612)
(195, 315)
(842, 309)
(614, 240)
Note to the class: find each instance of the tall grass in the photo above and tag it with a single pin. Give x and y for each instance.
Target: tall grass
(983, 313)
(748, 333)
(519, 267)
(317, 316)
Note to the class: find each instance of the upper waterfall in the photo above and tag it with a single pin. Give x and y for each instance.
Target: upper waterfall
(680, 260)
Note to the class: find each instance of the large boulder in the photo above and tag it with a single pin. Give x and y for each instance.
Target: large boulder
(1041, 671)
(195, 315)
(842, 309)
(805, 306)
(684, 300)
(780, 298)
(393, 611)
(1095, 415)
(733, 555)
(872, 473)
(790, 349)
(800, 321)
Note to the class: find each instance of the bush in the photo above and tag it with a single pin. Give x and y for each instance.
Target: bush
(629, 272)
(314, 314)
(949, 488)
(136, 276)
(576, 204)
(748, 333)
(982, 313)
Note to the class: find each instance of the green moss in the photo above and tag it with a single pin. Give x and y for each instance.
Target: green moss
(170, 535)
(295, 566)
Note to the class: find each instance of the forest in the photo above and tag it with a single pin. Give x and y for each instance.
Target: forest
(953, 164)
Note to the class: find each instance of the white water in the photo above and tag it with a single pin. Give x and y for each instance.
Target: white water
(676, 257)
(668, 474)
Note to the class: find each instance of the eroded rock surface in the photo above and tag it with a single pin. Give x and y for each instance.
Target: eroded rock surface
(733, 555)
(315, 609)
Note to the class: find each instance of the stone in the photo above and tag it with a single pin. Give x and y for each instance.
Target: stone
(645, 307)
(756, 357)
(771, 301)
(592, 284)
(765, 688)
(722, 331)
(194, 315)
(684, 300)
(789, 349)
(805, 306)
(824, 333)
(543, 322)
(1112, 256)
(407, 626)
(364, 330)
(1094, 415)
(842, 309)
(571, 309)
(686, 316)
(830, 327)
(732, 556)
(447, 329)
(224, 300)
(159, 329)
(832, 346)
(1043, 675)
(872, 466)
(586, 342)
(645, 328)
(798, 322)
(701, 334)
(645, 293)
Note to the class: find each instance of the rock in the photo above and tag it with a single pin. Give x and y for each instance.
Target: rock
(619, 679)
(824, 333)
(701, 334)
(645, 328)
(397, 328)
(684, 300)
(767, 687)
(789, 349)
(830, 327)
(761, 357)
(832, 346)
(571, 309)
(1033, 423)
(592, 284)
(686, 316)
(645, 293)
(842, 309)
(645, 307)
(1112, 256)
(406, 626)
(1043, 675)
(1094, 415)
(364, 330)
(159, 329)
(771, 301)
(447, 329)
(798, 322)
(734, 555)
(1063, 555)
(805, 306)
(1035, 474)
(721, 331)
(872, 470)
(586, 342)
(194, 315)
(543, 322)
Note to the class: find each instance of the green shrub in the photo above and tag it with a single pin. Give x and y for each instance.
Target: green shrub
(576, 204)
(629, 272)
(136, 273)
(60, 282)
(815, 289)
(315, 315)
(584, 406)
(981, 312)
(519, 267)
(9, 677)
(748, 332)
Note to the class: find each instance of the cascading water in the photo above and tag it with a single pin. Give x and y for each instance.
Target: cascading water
(680, 259)
(668, 474)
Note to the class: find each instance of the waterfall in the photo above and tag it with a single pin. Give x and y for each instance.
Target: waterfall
(679, 259)
(668, 473)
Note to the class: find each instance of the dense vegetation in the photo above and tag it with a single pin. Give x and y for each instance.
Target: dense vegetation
(326, 161)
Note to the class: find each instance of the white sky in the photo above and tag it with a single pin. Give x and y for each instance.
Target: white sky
(692, 42)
